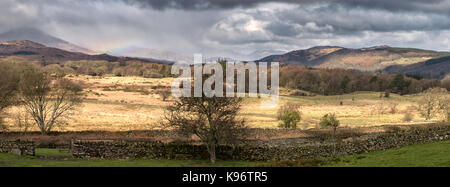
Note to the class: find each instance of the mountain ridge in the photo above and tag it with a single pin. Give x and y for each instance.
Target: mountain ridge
(45, 55)
(438, 67)
(374, 58)
(36, 35)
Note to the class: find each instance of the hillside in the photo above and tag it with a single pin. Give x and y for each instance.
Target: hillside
(439, 67)
(41, 37)
(36, 52)
(364, 59)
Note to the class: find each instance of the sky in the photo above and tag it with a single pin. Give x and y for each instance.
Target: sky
(234, 28)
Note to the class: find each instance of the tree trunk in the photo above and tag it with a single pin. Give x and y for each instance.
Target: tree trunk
(212, 153)
(41, 125)
(334, 141)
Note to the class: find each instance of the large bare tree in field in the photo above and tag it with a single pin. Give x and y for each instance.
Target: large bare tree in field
(212, 119)
(47, 100)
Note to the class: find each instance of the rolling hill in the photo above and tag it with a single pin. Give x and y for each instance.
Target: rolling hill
(42, 54)
(438, 67)
(364, 59)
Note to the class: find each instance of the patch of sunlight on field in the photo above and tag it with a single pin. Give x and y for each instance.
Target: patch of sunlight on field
(358, 109)
(111, 80)
(406, 61)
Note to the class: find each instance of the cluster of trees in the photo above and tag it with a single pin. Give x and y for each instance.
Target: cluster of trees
(99, 68)
(340, 81)
(45, 99)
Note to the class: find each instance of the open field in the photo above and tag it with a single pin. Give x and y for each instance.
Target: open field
(132, 103)
(422, 155)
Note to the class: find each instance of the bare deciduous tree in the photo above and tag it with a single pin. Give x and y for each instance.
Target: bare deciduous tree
(444, 106)
(432, 102)
(22, 121)
(213, 120)
(47, 100)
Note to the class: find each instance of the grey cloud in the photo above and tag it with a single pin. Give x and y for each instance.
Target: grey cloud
(234, 27)
(436, 6)
(195, 4)
(345, 20)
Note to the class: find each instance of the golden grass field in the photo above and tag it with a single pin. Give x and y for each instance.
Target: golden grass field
(131, 103)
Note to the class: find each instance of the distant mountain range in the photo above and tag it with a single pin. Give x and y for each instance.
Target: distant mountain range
(38, 46)
(168, 56)
(172, 57)
(38, 36)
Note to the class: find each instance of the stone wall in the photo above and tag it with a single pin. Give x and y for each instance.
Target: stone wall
(17, 147)
(258, 150)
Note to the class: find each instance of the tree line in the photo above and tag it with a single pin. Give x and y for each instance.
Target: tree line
(101, 67)
(340, 81)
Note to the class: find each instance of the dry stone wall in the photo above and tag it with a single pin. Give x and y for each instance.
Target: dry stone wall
(257, 151)
(17, 147)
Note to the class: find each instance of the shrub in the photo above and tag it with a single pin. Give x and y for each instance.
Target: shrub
(54, 69)
(407, 117)
(290, 119)
(387, 93)
(329, 120)
(393, 107)
(164, 93)
(380, 108)
(290, 115)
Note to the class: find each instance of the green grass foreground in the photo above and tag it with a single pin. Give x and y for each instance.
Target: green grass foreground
(54, 158)
(435, 154)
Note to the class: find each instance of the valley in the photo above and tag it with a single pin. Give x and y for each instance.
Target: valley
(133, 103)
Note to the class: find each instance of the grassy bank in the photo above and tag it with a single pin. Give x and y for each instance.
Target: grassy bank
(54, 158)
(436, 154)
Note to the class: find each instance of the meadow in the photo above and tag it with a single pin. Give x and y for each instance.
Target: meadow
(133, 103)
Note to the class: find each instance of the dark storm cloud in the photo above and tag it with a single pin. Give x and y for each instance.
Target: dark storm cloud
(195, 4)
(433, 6)
(344, 16)
(344, 20)
(234, 27)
